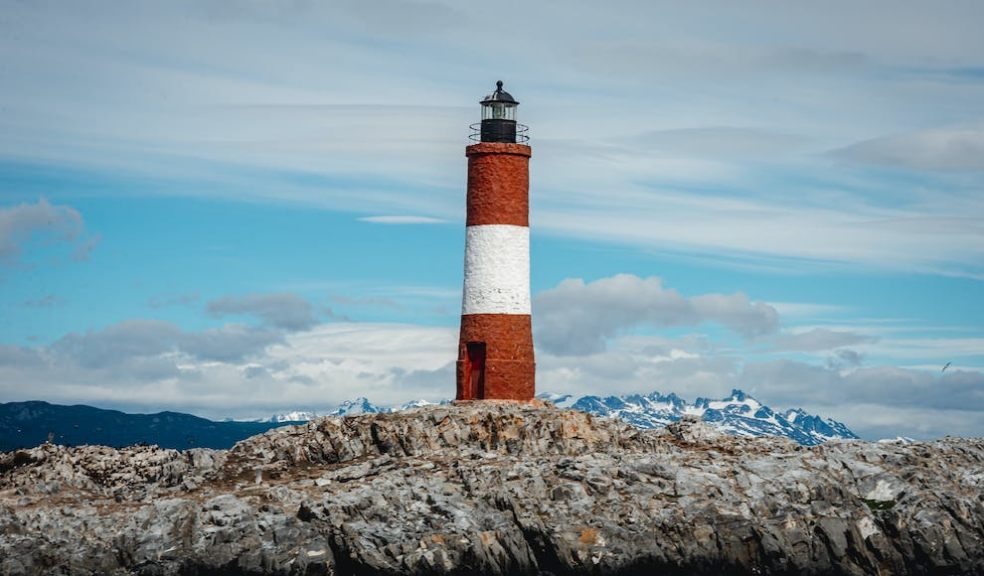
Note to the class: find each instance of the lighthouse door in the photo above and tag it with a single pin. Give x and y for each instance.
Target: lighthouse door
(476, 369)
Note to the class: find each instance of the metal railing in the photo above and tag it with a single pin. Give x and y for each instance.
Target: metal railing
(522, 133)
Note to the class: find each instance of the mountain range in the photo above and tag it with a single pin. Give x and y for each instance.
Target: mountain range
(24, 424)
(739, 414)
(360, 405)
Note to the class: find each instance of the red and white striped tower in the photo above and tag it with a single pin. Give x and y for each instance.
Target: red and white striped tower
(495, 349)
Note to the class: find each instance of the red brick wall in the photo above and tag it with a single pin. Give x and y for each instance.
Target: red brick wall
(509, 365)
(498, 184)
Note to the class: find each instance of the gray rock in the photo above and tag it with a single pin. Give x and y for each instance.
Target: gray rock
(495, 488)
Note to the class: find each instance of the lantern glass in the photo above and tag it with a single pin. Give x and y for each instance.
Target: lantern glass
(499, 111)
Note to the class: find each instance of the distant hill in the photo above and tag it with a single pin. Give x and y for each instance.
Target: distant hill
(25, 424)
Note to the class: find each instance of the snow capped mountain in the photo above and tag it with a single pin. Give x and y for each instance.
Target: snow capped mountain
(814, 424)
(739, 414)
(414, 404)
(360, 405)
(650, 411)
(295, 416)
(355, 407)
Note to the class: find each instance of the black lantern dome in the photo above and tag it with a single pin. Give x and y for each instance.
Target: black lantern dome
(499, 104)
(499, 117)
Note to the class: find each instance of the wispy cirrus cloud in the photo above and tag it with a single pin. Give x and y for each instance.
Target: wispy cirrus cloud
(407, 219)
(818, 339)
(167, 300)
(647, 137)
(46, 301)
(960, 148)
(718, 142)
(928, 236)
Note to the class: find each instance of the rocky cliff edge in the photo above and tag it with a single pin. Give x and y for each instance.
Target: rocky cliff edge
(495, 488)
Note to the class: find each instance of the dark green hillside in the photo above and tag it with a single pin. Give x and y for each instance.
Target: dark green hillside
(26, 424)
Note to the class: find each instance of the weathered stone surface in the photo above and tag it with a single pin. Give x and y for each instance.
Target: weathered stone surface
(495, 488)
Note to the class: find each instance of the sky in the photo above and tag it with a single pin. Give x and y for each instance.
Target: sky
(240, 208)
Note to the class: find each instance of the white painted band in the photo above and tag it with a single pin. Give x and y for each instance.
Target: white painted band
(497, 270)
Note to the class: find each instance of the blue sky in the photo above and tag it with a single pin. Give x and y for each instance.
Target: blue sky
(238, 208)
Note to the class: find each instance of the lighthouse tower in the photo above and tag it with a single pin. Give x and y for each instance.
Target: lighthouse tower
(495, 349)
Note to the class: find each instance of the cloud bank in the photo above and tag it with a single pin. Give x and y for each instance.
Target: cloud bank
(578, 317)
(235, 371)
(288, 358)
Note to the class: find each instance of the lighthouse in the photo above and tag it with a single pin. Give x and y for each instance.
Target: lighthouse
(495, 347)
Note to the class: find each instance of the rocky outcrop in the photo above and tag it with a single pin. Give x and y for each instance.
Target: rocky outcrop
(495, 488)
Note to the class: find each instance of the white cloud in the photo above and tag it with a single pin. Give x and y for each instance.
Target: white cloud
(844, 358)
(617, 371)
(941, 349)
(927, 237)
(886, 385)
(233, 370)
(401, 220)
(717, 142)
(140, 339)
(577, 317)
(279, 310)
(940, 149)
(876, 421)
(167, 300)
(809, 310)
(22, 223)
(817, 339)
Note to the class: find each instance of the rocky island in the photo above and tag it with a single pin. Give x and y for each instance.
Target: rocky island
(495, 488)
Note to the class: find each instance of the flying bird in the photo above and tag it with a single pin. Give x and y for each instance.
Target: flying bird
(947, 365)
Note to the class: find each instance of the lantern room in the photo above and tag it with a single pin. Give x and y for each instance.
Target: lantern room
(499, 116)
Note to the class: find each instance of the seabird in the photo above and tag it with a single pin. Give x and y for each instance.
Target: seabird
(947, 365)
